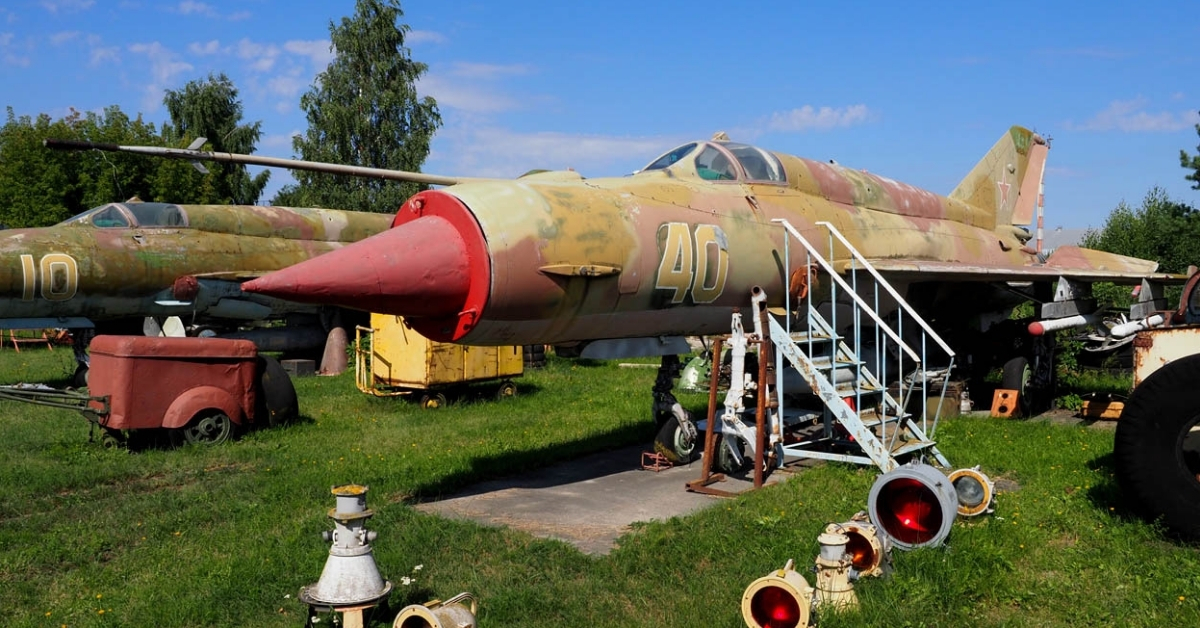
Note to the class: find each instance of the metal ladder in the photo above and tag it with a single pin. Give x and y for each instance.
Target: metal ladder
(871, 373)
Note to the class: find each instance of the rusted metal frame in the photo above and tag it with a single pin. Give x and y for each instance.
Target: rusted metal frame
(707, 477)
(764, 356)
(364, 373)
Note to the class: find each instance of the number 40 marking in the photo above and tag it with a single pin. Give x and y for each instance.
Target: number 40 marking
(58, 277)
(693, 262)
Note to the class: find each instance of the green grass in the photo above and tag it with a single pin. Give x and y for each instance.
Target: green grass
(226, 536)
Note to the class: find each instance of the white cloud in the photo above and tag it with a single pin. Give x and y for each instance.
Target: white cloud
(810, 118)
(63, 37)
(261, 56)
(210, 47)
(101, 54)
(1130, 116)
(54, 6)
(238, 16)
(5, 39)
(286, 85)
(318, 51)
(464, 96)
(421, 37)
(9, 56)
(495, 152)
(488, 71)
(164, 67)
(189, 7)
(278, 142)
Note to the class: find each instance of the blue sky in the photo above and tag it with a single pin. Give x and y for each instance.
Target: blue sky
(916, 91)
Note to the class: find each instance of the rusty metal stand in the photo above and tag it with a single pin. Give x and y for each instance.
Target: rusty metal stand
(707, 477)
(765, 363)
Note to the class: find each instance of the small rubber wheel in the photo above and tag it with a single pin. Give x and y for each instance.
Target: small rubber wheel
(507, 389)
(208, 428)
(725, 461)
(433, 401)
(80, 378)
(1017, 373)
(275, 397)
(675, 441)
(1157, 447)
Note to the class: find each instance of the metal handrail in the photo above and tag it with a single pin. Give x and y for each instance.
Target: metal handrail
(887, 286)
(845, 286)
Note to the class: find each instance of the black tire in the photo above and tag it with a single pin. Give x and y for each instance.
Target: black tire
(275, 396)
(725, 462)
(1157, 453)
(80, 378)
(1017, 373)
(508, 389)
(433, 401)
(208, 428)
(675, 443)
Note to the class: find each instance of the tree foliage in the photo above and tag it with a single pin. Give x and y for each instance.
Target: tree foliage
(210, 108)
(40, 187)
(1192, 162)
(364, 110)
(1160, 229)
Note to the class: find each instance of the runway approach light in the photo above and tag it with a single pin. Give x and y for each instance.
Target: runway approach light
(914, 505)
(976, 492)
(834, 590)
(452, 613)
(869, 551)
(780, 599)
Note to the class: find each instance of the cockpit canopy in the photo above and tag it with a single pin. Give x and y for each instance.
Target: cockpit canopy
(126, 215)
(723, 161)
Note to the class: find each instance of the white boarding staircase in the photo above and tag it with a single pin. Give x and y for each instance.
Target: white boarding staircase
(871, 372)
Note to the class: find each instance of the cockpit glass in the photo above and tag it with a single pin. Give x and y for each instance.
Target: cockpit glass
(759, 164)
(110, 217)
(671, 158)
(713, 165)
(157, 214)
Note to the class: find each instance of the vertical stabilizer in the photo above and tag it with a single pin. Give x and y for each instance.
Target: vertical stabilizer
(1006, 181)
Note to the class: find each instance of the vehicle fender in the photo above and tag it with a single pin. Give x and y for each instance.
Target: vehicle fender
(190, 403)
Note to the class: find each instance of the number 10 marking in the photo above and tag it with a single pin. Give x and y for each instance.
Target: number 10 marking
(58, 277)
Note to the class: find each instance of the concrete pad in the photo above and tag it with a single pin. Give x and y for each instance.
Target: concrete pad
(587, 502)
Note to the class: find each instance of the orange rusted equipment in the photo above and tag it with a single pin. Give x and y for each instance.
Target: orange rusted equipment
(202, 389)
(1004, 403)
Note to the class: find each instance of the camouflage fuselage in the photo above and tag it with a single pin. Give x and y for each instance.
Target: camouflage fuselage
(106, 263)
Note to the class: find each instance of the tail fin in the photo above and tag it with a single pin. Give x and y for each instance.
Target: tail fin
(1007, 181)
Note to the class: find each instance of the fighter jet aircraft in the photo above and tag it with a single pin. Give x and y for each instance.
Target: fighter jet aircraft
(111, 268)
(628, 266)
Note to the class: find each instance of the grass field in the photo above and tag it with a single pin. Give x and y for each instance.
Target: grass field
(226, 536)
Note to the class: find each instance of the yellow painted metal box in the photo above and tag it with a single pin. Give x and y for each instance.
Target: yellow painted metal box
(400, 357)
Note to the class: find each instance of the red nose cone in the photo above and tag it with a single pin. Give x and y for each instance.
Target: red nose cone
(420, 269)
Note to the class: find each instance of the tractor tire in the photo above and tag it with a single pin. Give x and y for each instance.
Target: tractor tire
(275, 396)
(1017, 373)
(1157, 447)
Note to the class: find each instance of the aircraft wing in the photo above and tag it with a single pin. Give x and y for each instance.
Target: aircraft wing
(1072, 262)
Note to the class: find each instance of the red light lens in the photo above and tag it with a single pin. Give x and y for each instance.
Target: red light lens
(775, 607)
(862, 555)
(909, 511)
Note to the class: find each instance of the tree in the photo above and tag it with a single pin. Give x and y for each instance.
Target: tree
(364, 110)
(1192, 162)
(210, 108)
(40, 187)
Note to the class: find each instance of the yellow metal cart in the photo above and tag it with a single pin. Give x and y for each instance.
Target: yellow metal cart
(391, 359)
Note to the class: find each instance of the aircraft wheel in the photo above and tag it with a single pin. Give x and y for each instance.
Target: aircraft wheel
(725, 462)
(1157, 447)
(507, 389)
(1017, 373)
(433, 401)
(676, 441)
(275, 398)
(211, 428)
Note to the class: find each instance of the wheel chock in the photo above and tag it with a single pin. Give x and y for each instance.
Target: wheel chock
(1004, 403)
